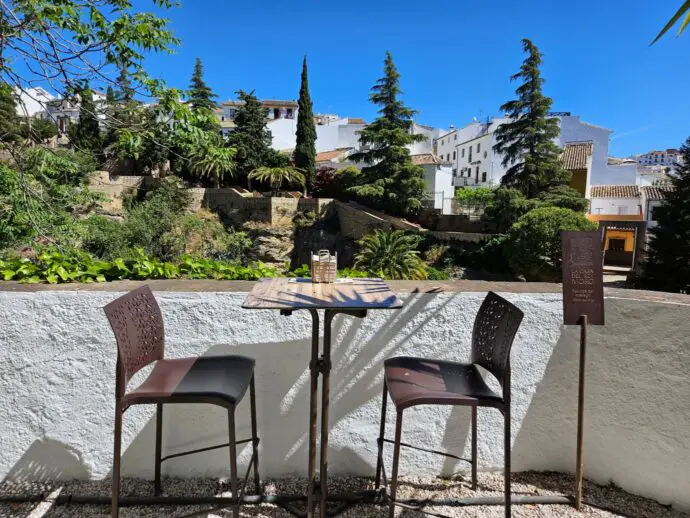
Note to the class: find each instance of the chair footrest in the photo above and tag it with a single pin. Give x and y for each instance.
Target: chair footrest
(436, 452)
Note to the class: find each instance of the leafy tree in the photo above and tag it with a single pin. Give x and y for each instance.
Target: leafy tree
(481, 196)
(276, 176)
(9, 120)
(683, 11)
(507, 205)
(330, 182)
(526, 142)
(392, 255)
(250, 138)
(533, 246)
(564, 197)
(304, 156)
(389, 180)
(667, 267)
(86, 134)
(200, 94)
(37, 130)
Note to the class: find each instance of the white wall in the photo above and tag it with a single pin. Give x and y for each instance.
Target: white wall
(631, 206)
(439, 183)
(574, 130)
(57, 364)
(651, 205)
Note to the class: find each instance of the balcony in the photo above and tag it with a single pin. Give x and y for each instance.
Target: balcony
(57, 366)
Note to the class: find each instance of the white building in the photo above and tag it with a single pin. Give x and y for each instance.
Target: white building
(616, 202)
(32, 101)
(470, 149)
(276, 110)
(65, 111)
(438, 176)
(653, 197)
(669, 158)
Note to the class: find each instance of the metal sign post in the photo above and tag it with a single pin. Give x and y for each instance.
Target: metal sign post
(583, 304)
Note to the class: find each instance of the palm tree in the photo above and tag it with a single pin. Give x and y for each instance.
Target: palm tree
(392, 255)
(684, 10)
(277, 175)
(213, 161)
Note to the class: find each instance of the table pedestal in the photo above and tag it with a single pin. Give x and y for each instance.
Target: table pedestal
(320, 364)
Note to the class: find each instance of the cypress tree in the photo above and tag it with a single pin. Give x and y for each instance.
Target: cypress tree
(667, 267)
(304, 156)
(124, 93)
(86, 134)
(9, 120)
(200, 94)
(526, 142)
(389, 181)
(250, 138)
(110, 98)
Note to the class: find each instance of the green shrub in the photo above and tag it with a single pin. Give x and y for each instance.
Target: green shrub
(533, 245)
(507, 206)
(479, 196)
(434, 274)
(391, 255)
(54, 267)
(566, 198)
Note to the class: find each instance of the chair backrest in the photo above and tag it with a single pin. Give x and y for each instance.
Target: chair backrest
(494, 331)
(137, 323)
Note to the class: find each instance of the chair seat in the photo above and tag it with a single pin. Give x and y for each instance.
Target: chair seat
(220, 380)
(418, 381)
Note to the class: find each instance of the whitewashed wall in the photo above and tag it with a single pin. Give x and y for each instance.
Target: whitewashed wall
(632, 206)
(57, 364)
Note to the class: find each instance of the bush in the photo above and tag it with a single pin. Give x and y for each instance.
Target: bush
(477, 196)
(533, 245)
(54, 267)
(391, 255)
(507, 206)
(330, 182)
(566, 198)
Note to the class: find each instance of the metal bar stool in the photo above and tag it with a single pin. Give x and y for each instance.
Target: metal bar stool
(137, 323)
(418, 381)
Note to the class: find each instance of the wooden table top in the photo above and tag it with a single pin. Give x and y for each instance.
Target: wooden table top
(301, 293)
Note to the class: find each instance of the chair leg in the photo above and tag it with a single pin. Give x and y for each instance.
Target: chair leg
(396, 458)
(233, 462)
(382, 433)
(506, 456)
(474, 448)
(255, 437)
(115, 496)
(159, 443)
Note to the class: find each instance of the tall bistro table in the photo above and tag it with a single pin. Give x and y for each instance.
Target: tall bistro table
(352, 297)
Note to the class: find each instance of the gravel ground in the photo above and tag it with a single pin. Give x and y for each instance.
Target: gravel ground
(602, 501)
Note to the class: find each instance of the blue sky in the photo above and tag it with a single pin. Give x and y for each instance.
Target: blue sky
(455, 57)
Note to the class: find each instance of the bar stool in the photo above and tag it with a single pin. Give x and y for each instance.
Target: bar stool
(418, 381)
(137, 323)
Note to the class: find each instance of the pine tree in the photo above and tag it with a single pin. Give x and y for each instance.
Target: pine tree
(124, 93)
(526, 142)
(200, 94)
(250, 138)
(9, 120)
(110, 98)
(389, 180)
(667, 267)
(305, 148)
(86, 134)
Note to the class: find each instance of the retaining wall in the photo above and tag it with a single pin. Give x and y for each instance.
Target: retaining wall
(57, 365)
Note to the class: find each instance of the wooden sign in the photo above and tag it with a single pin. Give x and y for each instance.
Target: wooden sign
(583, 277)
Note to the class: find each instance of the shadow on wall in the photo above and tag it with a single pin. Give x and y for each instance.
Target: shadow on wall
(48, 460)
(283, 402)
(636, 404)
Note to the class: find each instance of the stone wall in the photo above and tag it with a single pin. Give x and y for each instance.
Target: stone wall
(115, 186)
(57, 366)
(234, 207)
(357, 221)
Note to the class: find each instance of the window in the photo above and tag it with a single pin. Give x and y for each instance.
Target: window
(276, 113)
(617, 245)
(483, 177)
(448, 157)
(484, 154)
(441, 141)
(453, 155)
(456, 137)
(655, 214)
(478, 146)
(290, 113)
(623, 209)
(476, 175)
(470, 154)
(462, 152)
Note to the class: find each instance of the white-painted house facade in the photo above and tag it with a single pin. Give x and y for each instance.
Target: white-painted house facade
(475, 163)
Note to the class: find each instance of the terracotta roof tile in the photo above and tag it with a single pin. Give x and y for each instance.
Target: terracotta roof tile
(656, 192)
(333, 154)
(356, 120)
(615, 191)
(575, 155)
(427, 158)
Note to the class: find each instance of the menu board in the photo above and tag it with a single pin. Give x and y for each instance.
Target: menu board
(583, 282)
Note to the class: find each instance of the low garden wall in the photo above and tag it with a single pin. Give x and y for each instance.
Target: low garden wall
(57, 366)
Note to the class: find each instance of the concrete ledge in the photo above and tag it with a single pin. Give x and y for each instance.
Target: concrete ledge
(212, 286)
